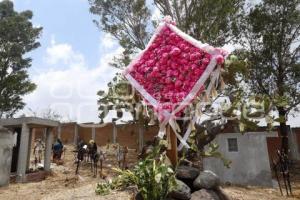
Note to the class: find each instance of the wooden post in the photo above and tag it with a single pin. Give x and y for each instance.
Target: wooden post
(172, 148)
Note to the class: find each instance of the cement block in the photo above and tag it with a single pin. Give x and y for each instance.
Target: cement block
(6, 145)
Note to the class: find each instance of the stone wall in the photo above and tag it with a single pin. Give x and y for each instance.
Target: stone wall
(250, 163)
(6, 145)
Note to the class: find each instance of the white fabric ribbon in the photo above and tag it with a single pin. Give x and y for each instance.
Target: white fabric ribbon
(187, 133)
(169, 117)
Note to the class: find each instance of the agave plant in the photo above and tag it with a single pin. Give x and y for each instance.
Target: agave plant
(152, 176)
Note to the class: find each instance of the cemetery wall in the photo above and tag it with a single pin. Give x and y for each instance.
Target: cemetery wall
(249, 156)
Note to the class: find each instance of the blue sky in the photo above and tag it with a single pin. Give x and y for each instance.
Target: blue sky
(72, 63)
(68, 21)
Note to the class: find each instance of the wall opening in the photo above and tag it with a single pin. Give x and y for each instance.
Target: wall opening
(232, 145)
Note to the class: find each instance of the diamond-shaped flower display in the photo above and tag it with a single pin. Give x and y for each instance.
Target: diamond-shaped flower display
(172, 70)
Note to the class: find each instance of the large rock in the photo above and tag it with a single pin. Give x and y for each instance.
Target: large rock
(222, 195)
(139, 196)
(181, 191)
(205, 195)
(207, 180)
(187, 172)
(171, 198)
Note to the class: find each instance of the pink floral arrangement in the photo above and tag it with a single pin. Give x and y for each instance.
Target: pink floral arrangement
(168, 72)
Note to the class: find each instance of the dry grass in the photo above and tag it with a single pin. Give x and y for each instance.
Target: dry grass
(64, 185)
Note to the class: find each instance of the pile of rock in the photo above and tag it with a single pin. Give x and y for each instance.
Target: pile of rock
(195, 185)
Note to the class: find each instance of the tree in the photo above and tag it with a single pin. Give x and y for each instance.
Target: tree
(17, 37)
(47, 113)
(129, 21)
(213, 22)
(271, 46)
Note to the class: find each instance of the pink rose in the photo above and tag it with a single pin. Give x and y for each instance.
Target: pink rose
(208, 56)
(168, 80)
(175, 73)
(194, 66)
(198, 72)
(150, 63)
(205, 61)
(182, 45)
(165, 55)
(182, 77)
(178, 84)
(174, 66)
(169, 73)
(175, 51)
(220, 59)
(183, 61)
(186, 67)
(155, 69)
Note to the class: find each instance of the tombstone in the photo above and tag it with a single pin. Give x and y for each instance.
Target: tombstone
(6, 146)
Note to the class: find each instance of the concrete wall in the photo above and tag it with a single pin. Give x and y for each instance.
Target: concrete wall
(6, 145)
(294, 143)
(250, 164)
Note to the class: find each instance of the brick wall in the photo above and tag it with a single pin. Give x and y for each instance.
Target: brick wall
(127, 135)
(104, 135)
(274, 144)
(150, 133)
(84, 133)
(38, 133)
(67, 132)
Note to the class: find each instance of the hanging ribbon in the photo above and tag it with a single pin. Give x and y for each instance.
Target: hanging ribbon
(165, 116)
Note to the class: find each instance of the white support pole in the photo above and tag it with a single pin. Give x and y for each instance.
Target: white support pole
(114, 132)
(59, 131)
(29, 148)
(47, 157)
(23, 153)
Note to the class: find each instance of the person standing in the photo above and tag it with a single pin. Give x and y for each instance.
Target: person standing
(38, 150)
(57, 150)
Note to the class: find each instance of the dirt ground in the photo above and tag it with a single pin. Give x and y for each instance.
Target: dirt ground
(63, 184)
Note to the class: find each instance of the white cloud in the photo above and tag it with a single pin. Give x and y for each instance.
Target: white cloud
(156, 15)
(70, 87)
(62, 52)
(107, 41)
